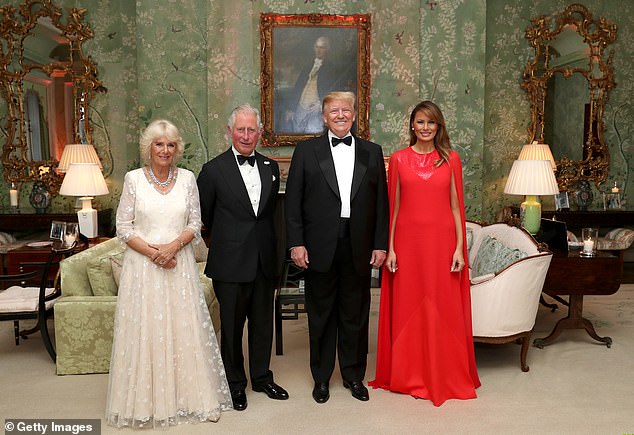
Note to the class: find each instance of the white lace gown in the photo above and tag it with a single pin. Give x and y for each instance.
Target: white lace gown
(166, 366)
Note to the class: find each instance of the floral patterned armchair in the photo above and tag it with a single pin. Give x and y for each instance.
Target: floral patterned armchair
(84, 315)
(507, 269)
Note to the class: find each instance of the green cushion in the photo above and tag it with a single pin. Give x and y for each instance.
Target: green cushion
(73, 270)
(493, 256)
(469, 238)
(100, 273)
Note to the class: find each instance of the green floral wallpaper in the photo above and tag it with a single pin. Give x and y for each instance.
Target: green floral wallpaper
(192, 61)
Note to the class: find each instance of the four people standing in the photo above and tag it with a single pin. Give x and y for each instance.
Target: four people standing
(337, 229)
(339, 225)
(238, 194)
(425, 343)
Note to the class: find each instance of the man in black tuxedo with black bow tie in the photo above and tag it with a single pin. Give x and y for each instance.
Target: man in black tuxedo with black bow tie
(337, 230)
(238, 192)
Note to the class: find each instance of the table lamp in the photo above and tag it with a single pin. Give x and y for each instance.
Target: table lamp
(78, 153)
(86, 181)
(531, 178)
(537, 151)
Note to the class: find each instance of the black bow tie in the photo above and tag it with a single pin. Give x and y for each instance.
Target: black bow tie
(347, 140)
(242, 159)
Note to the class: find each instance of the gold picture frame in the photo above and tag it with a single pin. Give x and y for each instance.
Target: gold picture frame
(289, 47)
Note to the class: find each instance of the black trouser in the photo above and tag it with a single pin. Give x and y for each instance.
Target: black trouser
(338, 307)
(239, 302)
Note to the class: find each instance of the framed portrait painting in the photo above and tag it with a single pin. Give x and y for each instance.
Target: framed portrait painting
(304, 57)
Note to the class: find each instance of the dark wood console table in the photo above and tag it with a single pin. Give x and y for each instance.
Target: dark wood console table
(32, 222)
(575, 220)
(575, 276)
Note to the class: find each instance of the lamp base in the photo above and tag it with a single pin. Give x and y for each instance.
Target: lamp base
(531, 214)
(87, 218)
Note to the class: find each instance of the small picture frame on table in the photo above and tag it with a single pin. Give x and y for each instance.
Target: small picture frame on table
(58, 229)
(561, 201)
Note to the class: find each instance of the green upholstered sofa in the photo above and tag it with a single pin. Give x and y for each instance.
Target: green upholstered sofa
(84, 315)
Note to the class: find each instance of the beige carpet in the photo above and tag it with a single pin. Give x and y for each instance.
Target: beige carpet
(574, 386)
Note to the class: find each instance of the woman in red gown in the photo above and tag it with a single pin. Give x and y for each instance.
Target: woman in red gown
(425, 343)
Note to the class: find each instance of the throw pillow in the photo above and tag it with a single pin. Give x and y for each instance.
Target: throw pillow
(493, 256)
(116, 261)
(200, 249)
(469, 238)
(6, 238)
(101, 274)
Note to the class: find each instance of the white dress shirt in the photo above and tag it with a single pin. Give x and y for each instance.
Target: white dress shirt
(251, 178)
(343, 156)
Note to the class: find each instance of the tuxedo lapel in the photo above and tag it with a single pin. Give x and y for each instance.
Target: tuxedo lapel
(361, 162)
(231, 173)
(266, 179)
(327, 164)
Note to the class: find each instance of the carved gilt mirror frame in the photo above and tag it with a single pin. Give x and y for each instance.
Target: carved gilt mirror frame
(593, 67)
(66, 68)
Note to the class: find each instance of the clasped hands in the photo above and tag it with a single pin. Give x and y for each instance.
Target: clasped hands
(163, 254)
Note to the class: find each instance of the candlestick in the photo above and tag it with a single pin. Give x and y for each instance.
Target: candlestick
(13, 195)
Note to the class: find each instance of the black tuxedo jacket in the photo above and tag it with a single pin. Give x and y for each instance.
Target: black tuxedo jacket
(313, 204)
(239, 238)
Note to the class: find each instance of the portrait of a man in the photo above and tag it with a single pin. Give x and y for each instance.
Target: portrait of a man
(307, 66)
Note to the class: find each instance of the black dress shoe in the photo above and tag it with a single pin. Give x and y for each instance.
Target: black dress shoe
(239, 399)
(272, 390)
(320, 392)
(358, 390)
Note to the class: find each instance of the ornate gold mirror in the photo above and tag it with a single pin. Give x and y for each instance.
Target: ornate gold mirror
(47, 82)
(568, 82)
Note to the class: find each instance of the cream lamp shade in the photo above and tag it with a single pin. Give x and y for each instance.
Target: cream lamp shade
(531, 178)
(85, 180)
(78, 153)
(537, 151)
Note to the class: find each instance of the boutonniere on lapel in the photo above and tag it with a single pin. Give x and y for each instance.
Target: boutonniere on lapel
(266, 162)
(273, 177)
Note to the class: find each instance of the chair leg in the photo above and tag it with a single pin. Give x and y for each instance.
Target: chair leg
(47, 338)
(279, 347)
(16, 331)
(524, 351)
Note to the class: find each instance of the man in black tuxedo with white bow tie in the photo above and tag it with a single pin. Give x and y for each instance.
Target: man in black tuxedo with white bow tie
(337, 230)
(238, 192)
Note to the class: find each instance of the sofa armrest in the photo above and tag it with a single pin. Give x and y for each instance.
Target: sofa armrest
(507, 303)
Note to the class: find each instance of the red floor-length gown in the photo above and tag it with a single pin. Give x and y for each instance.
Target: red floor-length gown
(425, 342)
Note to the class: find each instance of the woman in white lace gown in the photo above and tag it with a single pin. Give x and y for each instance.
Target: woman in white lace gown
(166, 366)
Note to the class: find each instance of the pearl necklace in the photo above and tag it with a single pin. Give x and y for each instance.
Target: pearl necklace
(162, 184)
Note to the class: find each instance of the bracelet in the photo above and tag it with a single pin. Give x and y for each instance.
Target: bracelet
(181, 242)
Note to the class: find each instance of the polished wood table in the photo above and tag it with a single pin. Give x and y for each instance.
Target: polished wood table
(575, 220)
(34, 222)
(575, 276)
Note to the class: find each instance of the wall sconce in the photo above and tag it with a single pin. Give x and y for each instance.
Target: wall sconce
(531, 178)
(85, 180)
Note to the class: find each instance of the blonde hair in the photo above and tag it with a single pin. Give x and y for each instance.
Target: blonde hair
(338, 95)
(158, 129)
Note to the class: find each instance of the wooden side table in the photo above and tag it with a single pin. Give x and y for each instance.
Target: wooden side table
(576, 277)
